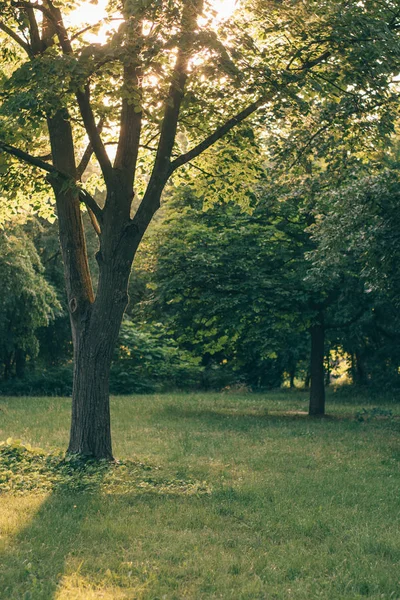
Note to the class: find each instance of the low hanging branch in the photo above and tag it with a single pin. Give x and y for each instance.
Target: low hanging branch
(84, 196)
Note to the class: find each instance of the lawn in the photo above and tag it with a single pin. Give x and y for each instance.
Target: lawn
(217, 496)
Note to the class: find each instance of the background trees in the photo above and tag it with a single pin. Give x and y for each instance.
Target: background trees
(27, 302)
(163, 100)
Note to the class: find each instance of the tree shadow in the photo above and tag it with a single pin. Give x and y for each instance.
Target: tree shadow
(242, 419)
(81, 531)
(32, 565)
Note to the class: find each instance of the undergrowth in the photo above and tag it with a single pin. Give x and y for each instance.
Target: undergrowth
(25, 469)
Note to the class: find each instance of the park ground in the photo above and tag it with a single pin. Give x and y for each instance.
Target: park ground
(234, 496)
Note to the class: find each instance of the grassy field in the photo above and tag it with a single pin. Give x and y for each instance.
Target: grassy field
(223, 496)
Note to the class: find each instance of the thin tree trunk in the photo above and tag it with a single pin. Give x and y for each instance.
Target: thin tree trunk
(292, 373)
(317, 390)
(307, 381)
(360, 371)
(328, 369)
(20, 363)
(353, 368)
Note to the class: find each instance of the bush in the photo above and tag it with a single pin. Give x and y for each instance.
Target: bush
(148, 360)
(145, 361)
(43, 382)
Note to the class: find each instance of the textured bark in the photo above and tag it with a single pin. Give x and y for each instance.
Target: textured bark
(317, 389)
(95, 339)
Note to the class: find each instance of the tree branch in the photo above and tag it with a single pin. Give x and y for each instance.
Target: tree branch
(309, 64)
(177, 87)
(32, 160)
(91, 205)
(83, 99)
(308, 144)
(17, 39)
(220, 132)
(86, 198)
(54, 15)
(130, 120)
(81, 168)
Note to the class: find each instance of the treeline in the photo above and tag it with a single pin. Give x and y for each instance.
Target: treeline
(224, 294)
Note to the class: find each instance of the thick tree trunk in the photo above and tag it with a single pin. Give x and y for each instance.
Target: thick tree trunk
(90, 433)
(94, 341)
(317, 390)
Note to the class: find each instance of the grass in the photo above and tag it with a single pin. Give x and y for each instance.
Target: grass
(218, 496)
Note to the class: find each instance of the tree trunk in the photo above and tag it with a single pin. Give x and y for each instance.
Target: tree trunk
(307, 381)
(292, 374)
(317, 390)
(20, 363)
(95, 336)
(360, 371)
(328, 369)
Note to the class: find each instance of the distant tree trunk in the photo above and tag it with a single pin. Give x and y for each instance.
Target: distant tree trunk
(317, 390)
(353, 368)
(7, 366)
(20, 363)
(307, 380)
(292, 374)
(328, 369)
(360, 372)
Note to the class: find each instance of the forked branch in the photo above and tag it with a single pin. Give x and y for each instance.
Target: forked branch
(84, 196)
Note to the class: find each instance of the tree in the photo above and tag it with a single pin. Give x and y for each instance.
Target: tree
(165, 81)
(27, 301)
(359, 235)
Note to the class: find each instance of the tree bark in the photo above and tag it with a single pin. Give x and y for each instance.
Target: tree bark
(95, 340)
(328, 369)
(20, 363)
(317, 389)
(360, 371)
(292, 374)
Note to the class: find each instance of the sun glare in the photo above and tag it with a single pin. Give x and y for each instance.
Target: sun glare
(95, 16)
(224, 8)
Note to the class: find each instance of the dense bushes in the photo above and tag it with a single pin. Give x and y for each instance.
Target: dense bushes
(146, 360)
(56, 381)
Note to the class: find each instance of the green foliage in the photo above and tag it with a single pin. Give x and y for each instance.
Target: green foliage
(27, 301)
(41, 381)
(27, 470)
(230, 285)
(358, 236)
(148, 360)
(368, 414)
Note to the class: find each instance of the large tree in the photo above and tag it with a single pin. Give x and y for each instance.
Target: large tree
(168, 84)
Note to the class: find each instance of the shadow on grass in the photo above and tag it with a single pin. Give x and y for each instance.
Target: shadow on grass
(83, 526)
(32, 566)
(244, 419)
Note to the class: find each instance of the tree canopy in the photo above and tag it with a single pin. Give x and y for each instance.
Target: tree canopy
(166, 85)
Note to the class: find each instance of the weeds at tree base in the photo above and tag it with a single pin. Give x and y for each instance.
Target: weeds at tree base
(24, 469)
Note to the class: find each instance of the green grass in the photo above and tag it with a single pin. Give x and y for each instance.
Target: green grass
(219, 496)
